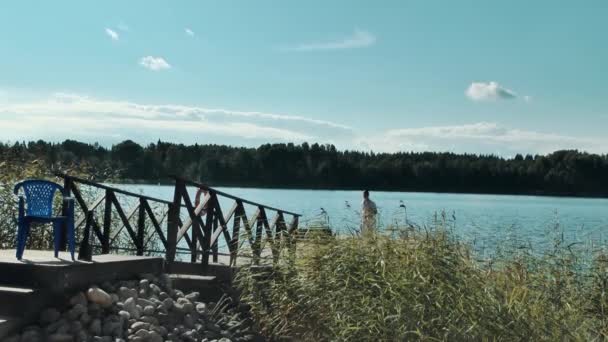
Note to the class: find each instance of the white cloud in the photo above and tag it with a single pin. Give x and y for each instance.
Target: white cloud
(528, 98)
(62, 116)
(189, 32)
(358, 39)
(154, 63)
(112, 34)
(483, 91)
(481, 137)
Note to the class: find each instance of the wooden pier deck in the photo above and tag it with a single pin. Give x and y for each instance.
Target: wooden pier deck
(169, 230)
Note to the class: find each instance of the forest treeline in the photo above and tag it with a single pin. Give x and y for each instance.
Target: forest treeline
(324, 167)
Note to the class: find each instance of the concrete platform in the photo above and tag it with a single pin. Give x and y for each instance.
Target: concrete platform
(41, 280)
(40, 269)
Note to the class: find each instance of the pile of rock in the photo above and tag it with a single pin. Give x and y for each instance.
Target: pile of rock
(145, 310)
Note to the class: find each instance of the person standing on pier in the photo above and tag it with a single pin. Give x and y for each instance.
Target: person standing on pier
(368, 214)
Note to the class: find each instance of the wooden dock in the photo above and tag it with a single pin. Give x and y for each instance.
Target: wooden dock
(152, 230)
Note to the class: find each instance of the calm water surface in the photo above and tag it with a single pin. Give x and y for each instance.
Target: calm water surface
(485, 220)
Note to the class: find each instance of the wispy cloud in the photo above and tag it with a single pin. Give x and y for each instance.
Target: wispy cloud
(61, 116)
(480, 137)
(189, 32)
(154, 63)
(484, 91)
(112, 34)
(358, 39)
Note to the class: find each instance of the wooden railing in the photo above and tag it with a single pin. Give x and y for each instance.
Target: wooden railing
(201, 227)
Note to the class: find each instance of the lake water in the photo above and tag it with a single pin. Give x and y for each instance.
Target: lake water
(485, 220)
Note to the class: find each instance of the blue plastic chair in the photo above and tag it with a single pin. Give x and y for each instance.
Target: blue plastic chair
(36, 205)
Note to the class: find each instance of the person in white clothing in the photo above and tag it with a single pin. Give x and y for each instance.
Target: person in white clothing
(368, 214)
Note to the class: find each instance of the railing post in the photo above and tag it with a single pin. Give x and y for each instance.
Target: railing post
(85, 252)
(208, 228)
(107, 223)
(173, 222)
(236, 226)
(67, 187)
(141, 227)
(215, 243)
(259, 227)
(195, 229)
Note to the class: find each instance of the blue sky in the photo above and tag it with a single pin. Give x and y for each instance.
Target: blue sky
(477, 76)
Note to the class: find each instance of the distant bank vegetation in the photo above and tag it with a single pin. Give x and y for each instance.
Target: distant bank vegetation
(322, 166)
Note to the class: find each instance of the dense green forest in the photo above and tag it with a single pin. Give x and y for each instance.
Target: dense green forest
(322, 166)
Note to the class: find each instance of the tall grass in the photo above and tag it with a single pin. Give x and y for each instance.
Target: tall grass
(425, 285)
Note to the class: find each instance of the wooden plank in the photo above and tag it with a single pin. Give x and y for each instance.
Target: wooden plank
(67, 186)
(85, 209)
(156, 224)
(141, 226)
(129, 217)
(197, 212)
(247, 224)
(223, 194)
(190, 209)
(125, 219)
(83, 218)
(269, 235)
(173, 222)
(222, 222)
(236, 226)
(214, 246)
(207, 238)
(107, 222)
(74, 179)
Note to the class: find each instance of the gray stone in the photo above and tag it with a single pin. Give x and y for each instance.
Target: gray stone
(142, 333)
(95, 327)
(124, 315)
(99, 296)
(130, 306)
(85, 318)
(224, 339)
(60, 338)
(201, 308)
(149, 310)
(149, 319)
(139, 326)
(102, 339)
(77, 311)
(144, 302)
(193, 296)
(49, 316)
(189, 321)
(13, 338)
(125, 292)
(167, 303)
(155, 289)
(78, 298)
(153, 336)
(64, 328)
(30, 336)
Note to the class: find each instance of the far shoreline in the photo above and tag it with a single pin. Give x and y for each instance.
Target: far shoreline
(323, 188)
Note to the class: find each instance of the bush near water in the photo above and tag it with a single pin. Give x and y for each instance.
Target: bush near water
(425, 286)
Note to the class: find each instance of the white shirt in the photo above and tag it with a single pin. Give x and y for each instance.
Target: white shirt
(368, 208)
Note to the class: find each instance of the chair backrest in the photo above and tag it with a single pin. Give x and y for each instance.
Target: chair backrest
(39, 196)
